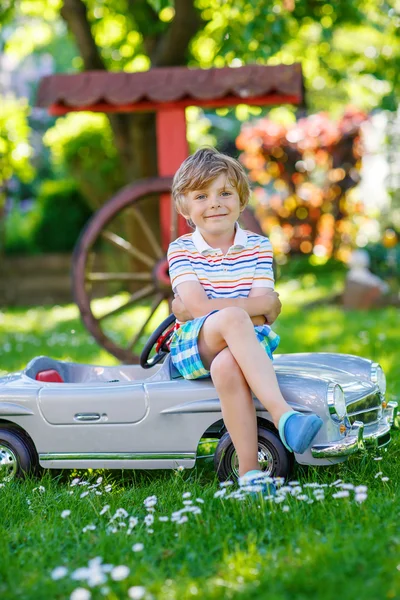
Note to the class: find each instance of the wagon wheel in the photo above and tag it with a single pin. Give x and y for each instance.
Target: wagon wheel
(119, 257)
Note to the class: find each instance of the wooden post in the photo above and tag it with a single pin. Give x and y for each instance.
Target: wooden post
(172, 149)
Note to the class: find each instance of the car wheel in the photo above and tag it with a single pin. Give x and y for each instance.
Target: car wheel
(273, 457)
(17, 456)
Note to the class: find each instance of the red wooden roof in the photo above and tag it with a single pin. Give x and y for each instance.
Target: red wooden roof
(150, 90)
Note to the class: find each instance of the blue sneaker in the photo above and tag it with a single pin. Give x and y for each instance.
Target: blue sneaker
(297, 430)
(256, 482)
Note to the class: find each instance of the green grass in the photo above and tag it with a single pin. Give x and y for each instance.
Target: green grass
(328, 549)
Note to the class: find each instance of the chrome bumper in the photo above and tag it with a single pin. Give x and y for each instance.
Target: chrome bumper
(359, 436)
(351, 443)
(392, 414)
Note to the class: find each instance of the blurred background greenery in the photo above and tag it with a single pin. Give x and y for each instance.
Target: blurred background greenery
(326, 178)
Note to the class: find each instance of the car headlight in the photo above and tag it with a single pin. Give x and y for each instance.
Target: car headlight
(379, 377)
(336, 401)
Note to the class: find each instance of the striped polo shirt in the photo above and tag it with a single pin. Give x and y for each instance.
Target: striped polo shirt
(246, 265)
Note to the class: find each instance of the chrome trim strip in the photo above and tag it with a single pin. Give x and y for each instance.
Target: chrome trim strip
(117, 456)
(368, 417)
(214, 405)
(369, 402)
(374, 372)
(390, 412)
(375, 369)
(330, 398)
(365, 411)
(372, 439)
(351, 443)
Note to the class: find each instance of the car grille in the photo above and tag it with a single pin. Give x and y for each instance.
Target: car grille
(367, 409)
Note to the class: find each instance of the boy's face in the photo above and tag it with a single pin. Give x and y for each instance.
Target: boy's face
(215, 209)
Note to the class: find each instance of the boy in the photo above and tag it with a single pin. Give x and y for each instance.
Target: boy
(224, 297)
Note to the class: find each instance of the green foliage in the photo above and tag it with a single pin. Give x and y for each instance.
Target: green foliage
(385, 261)
(63, 215)
(54, 223)
(198, 126)
(19, 232)
(349, 51)
(232, 550)
(7, 12)
(302, 265)
(36, 29)
(15, 149)
(82, 145)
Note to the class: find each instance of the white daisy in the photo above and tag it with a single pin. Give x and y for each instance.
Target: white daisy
(80, 594)
(119, 573)
(58, 573)
(136, 592)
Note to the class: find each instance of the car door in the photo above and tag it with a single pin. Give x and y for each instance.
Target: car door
(76, 404)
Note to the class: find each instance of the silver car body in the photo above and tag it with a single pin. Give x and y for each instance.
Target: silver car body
(128, 417)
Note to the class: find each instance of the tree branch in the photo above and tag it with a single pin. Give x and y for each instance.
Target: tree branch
(146, 18)
(74, 13)
(147, 22)
(127, 128)
(171, 48)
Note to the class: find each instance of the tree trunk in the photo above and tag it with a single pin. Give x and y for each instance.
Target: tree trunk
(136, 142)
(135, 133)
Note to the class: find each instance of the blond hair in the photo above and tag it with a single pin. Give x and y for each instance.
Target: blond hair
(201, 168)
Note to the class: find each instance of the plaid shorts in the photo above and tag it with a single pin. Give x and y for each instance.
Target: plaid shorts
(185, 352)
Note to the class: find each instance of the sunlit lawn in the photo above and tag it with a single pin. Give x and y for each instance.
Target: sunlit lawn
(310, 545)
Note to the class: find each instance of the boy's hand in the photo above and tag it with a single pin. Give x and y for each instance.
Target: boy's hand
(179, 310)
(273, 306)
(260, 320)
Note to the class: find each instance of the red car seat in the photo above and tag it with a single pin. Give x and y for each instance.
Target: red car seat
(49, 376)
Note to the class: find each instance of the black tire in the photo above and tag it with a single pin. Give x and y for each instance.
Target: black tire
(279, 460)
(17, 454)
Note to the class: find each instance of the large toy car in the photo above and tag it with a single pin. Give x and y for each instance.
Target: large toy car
(64, 415)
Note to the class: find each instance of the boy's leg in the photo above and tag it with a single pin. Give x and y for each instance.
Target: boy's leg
(231, 327)
(237, 409)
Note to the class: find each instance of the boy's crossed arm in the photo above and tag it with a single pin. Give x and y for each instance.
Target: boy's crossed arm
(191, 302)
(275, 309)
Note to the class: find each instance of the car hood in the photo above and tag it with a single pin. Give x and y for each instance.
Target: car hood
(352, 386)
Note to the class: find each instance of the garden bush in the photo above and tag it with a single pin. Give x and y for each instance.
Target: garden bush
(19, 228)
(303, 265)
(53, 224)
(63, 215)
(82, 146)
(385, 261)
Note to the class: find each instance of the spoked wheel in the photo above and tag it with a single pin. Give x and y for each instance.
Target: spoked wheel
(120, 270)
(17, 454)
(273, 457)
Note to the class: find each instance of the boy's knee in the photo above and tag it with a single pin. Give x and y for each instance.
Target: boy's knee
(233, 316)
(224, 366)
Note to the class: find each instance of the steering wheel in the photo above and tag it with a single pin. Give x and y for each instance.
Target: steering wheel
(158, 338)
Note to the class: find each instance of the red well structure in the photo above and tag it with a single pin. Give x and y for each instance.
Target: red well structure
(168, 91)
